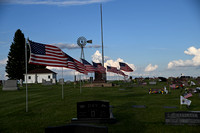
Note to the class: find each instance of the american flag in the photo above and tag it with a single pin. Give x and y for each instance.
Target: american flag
(112, 69)
(121, 73)
(125, 67)
(90, 68)
(76, 65)
(172, 86)
(188, 95)
(48, 55)
(99, 68)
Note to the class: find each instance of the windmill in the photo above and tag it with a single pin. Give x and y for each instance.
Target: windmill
(82, 41)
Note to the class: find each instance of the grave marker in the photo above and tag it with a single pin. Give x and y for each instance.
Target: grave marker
(152, 83)
(10, 85)
(182, 117)
(94, 112)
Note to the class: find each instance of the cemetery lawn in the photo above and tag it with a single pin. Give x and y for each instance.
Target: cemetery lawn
(47, 108)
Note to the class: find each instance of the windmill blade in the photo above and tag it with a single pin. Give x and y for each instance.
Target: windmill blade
(89, 41)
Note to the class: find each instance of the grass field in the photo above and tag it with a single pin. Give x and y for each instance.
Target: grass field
(47, 108)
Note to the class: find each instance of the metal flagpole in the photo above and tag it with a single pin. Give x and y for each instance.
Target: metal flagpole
(74, 79)
(26, 77)
(80, 83)
(62, 85)
(102, 36)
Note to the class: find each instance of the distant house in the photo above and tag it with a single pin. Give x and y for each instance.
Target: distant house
(37, 75)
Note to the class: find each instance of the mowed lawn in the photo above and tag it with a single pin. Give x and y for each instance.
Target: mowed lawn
(47, 108)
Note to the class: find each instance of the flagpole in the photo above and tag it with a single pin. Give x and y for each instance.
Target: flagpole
(26, 77)
(62, 85)
(74, 79)
(80, 83)
(102, 36)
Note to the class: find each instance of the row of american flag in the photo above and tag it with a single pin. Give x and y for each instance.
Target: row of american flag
(49, 55)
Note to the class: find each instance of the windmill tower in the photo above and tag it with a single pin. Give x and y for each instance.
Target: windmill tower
(82, 41)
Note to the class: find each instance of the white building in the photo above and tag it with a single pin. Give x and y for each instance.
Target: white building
(37, 75)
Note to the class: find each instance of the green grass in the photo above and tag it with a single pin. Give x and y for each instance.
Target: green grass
(47, 108)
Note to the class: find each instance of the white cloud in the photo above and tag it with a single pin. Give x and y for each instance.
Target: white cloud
(3, 62)
(97, 57)
(195, 61)
(150, 68)
(55, 2)
(74, 46)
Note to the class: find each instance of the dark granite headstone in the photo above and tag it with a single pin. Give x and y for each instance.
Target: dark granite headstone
(94, 112)
(183, 117)
(93, 109)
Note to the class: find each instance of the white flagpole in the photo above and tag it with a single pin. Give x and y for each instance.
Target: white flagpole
(74, 79)
(26, 77)
(62, 85)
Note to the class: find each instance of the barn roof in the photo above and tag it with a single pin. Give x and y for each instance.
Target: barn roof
(36, 71)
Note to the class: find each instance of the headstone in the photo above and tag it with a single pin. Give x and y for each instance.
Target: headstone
(10, 85)
(94, 112)
(182, 117)
(53, 81)
(91, 79)
(77, 128)
(68, 82)
(93, 109)
(152, 83)
(44, 82)
(61, 81)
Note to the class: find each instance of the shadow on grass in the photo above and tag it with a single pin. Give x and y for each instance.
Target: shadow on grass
(126, 120)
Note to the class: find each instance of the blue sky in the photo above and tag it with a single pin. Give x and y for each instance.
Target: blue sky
(155, 37)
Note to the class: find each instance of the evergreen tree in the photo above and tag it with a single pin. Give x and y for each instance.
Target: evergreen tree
(15, 67)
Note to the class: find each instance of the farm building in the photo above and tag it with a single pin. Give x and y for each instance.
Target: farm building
(38, 75)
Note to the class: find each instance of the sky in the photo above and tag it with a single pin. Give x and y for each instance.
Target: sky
(154, 37)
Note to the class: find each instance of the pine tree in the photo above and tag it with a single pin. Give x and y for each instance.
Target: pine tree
(15, 67)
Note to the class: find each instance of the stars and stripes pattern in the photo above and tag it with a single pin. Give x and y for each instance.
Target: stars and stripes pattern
(125, 67)
(188, 95)
(90, 68)
(121, 73)
(99, 68)
(47, 55)
(112, 69)
(75, 64)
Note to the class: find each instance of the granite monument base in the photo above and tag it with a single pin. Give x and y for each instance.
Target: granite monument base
(77, 128)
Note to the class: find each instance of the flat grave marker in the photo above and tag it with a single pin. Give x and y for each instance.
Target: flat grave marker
(182, 117)
(169, 107)
(139, 106)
